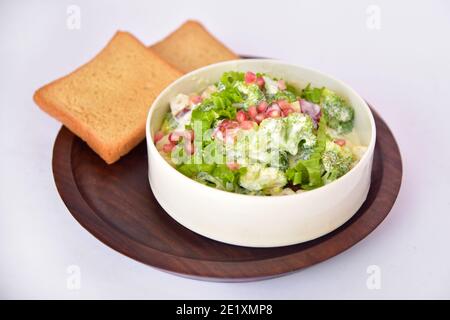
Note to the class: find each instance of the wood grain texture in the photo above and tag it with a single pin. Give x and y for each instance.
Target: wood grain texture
(115, 204)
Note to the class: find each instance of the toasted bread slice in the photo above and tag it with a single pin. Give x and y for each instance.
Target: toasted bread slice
(191, 46)
(105, 102)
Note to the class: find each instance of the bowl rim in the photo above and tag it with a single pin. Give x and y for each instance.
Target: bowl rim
(151, 147)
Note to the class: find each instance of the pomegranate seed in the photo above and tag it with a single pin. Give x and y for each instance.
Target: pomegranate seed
(168, 147)
(196, 99)
(228, 124)
(281, 85)
(262, 107)
(250, 77)
(260, 117)
(158, 136)
(175, 136)
(233, 165)
(260, 82)
(241, 116)
(274, 114)
(223, 125)
(247, 125)
(252, 111)
(273, 110)
(340, 142)
(287, 111)
(274, 106)
(189, 147)
(284, 104)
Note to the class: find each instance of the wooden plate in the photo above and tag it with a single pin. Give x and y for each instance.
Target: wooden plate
(115, 204)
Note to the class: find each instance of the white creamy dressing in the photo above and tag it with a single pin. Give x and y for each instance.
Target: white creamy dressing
(208, 91)
(259, 177)
(270, 85)
(352, 141)
(182, 101)
(177, 105)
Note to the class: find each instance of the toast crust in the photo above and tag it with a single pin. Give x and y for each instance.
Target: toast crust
(73, 107)
(191, 46)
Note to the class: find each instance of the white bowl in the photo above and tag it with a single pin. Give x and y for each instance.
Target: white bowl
(259, 221)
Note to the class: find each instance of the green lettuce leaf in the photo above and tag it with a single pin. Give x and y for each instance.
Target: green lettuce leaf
(312, 94)
(218, 106)
(191, 170)
(229, 79)
(251, 94)
(220, 177)
(308, 173)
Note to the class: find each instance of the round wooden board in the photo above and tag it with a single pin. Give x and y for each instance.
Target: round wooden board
(115, 204)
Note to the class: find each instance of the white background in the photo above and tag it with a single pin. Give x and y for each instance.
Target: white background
(402, 69)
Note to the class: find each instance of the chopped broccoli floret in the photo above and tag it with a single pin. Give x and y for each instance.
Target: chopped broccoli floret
(285, 134)
(283, 95)
(252, 93)
(338, 112)
(336, 161)
(299, 128)
(258, 177)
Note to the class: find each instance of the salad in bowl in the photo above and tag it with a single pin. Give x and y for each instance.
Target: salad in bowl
(257, 134)
(260, 153)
